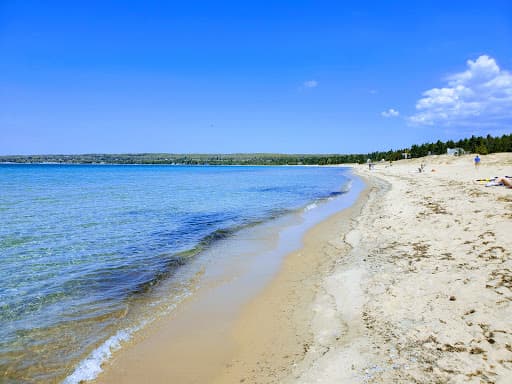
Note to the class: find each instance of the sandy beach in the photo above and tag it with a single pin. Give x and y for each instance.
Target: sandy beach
(411, 284)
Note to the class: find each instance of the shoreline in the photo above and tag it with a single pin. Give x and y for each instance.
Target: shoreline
(197, 338)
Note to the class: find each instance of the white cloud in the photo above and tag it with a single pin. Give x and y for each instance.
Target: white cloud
(482, 95)
(390, 113)
(310, 84)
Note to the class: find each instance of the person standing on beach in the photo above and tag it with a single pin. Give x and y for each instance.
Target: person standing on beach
(477, 161)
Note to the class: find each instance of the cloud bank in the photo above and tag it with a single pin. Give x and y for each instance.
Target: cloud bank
(390, 113)
(481, 95)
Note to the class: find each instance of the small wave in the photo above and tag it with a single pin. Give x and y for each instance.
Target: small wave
(333, 195)
(310, 207)
(347, 187)
(90, 368)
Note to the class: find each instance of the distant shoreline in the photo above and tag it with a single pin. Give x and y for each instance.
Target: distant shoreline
(187, 159)
(480, 145)
(186, 165)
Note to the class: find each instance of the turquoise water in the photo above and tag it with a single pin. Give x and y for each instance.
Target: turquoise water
(82, 245)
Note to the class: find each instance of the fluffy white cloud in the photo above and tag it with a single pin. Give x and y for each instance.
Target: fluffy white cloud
(311, 84)
(482, 94)
(390, 113)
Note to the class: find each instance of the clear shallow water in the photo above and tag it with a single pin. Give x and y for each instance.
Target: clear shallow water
(82, 246)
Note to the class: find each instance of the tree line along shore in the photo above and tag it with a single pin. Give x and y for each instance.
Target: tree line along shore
(474, 144)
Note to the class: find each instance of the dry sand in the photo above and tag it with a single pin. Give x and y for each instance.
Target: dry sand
(410, 285)
(431, 269)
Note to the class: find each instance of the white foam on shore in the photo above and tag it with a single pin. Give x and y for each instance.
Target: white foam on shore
(90, 368)
(310, 207)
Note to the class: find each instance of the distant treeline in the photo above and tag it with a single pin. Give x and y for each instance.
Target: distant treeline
(481, 145)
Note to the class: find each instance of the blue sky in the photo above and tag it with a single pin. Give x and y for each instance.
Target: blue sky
(290, 77)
